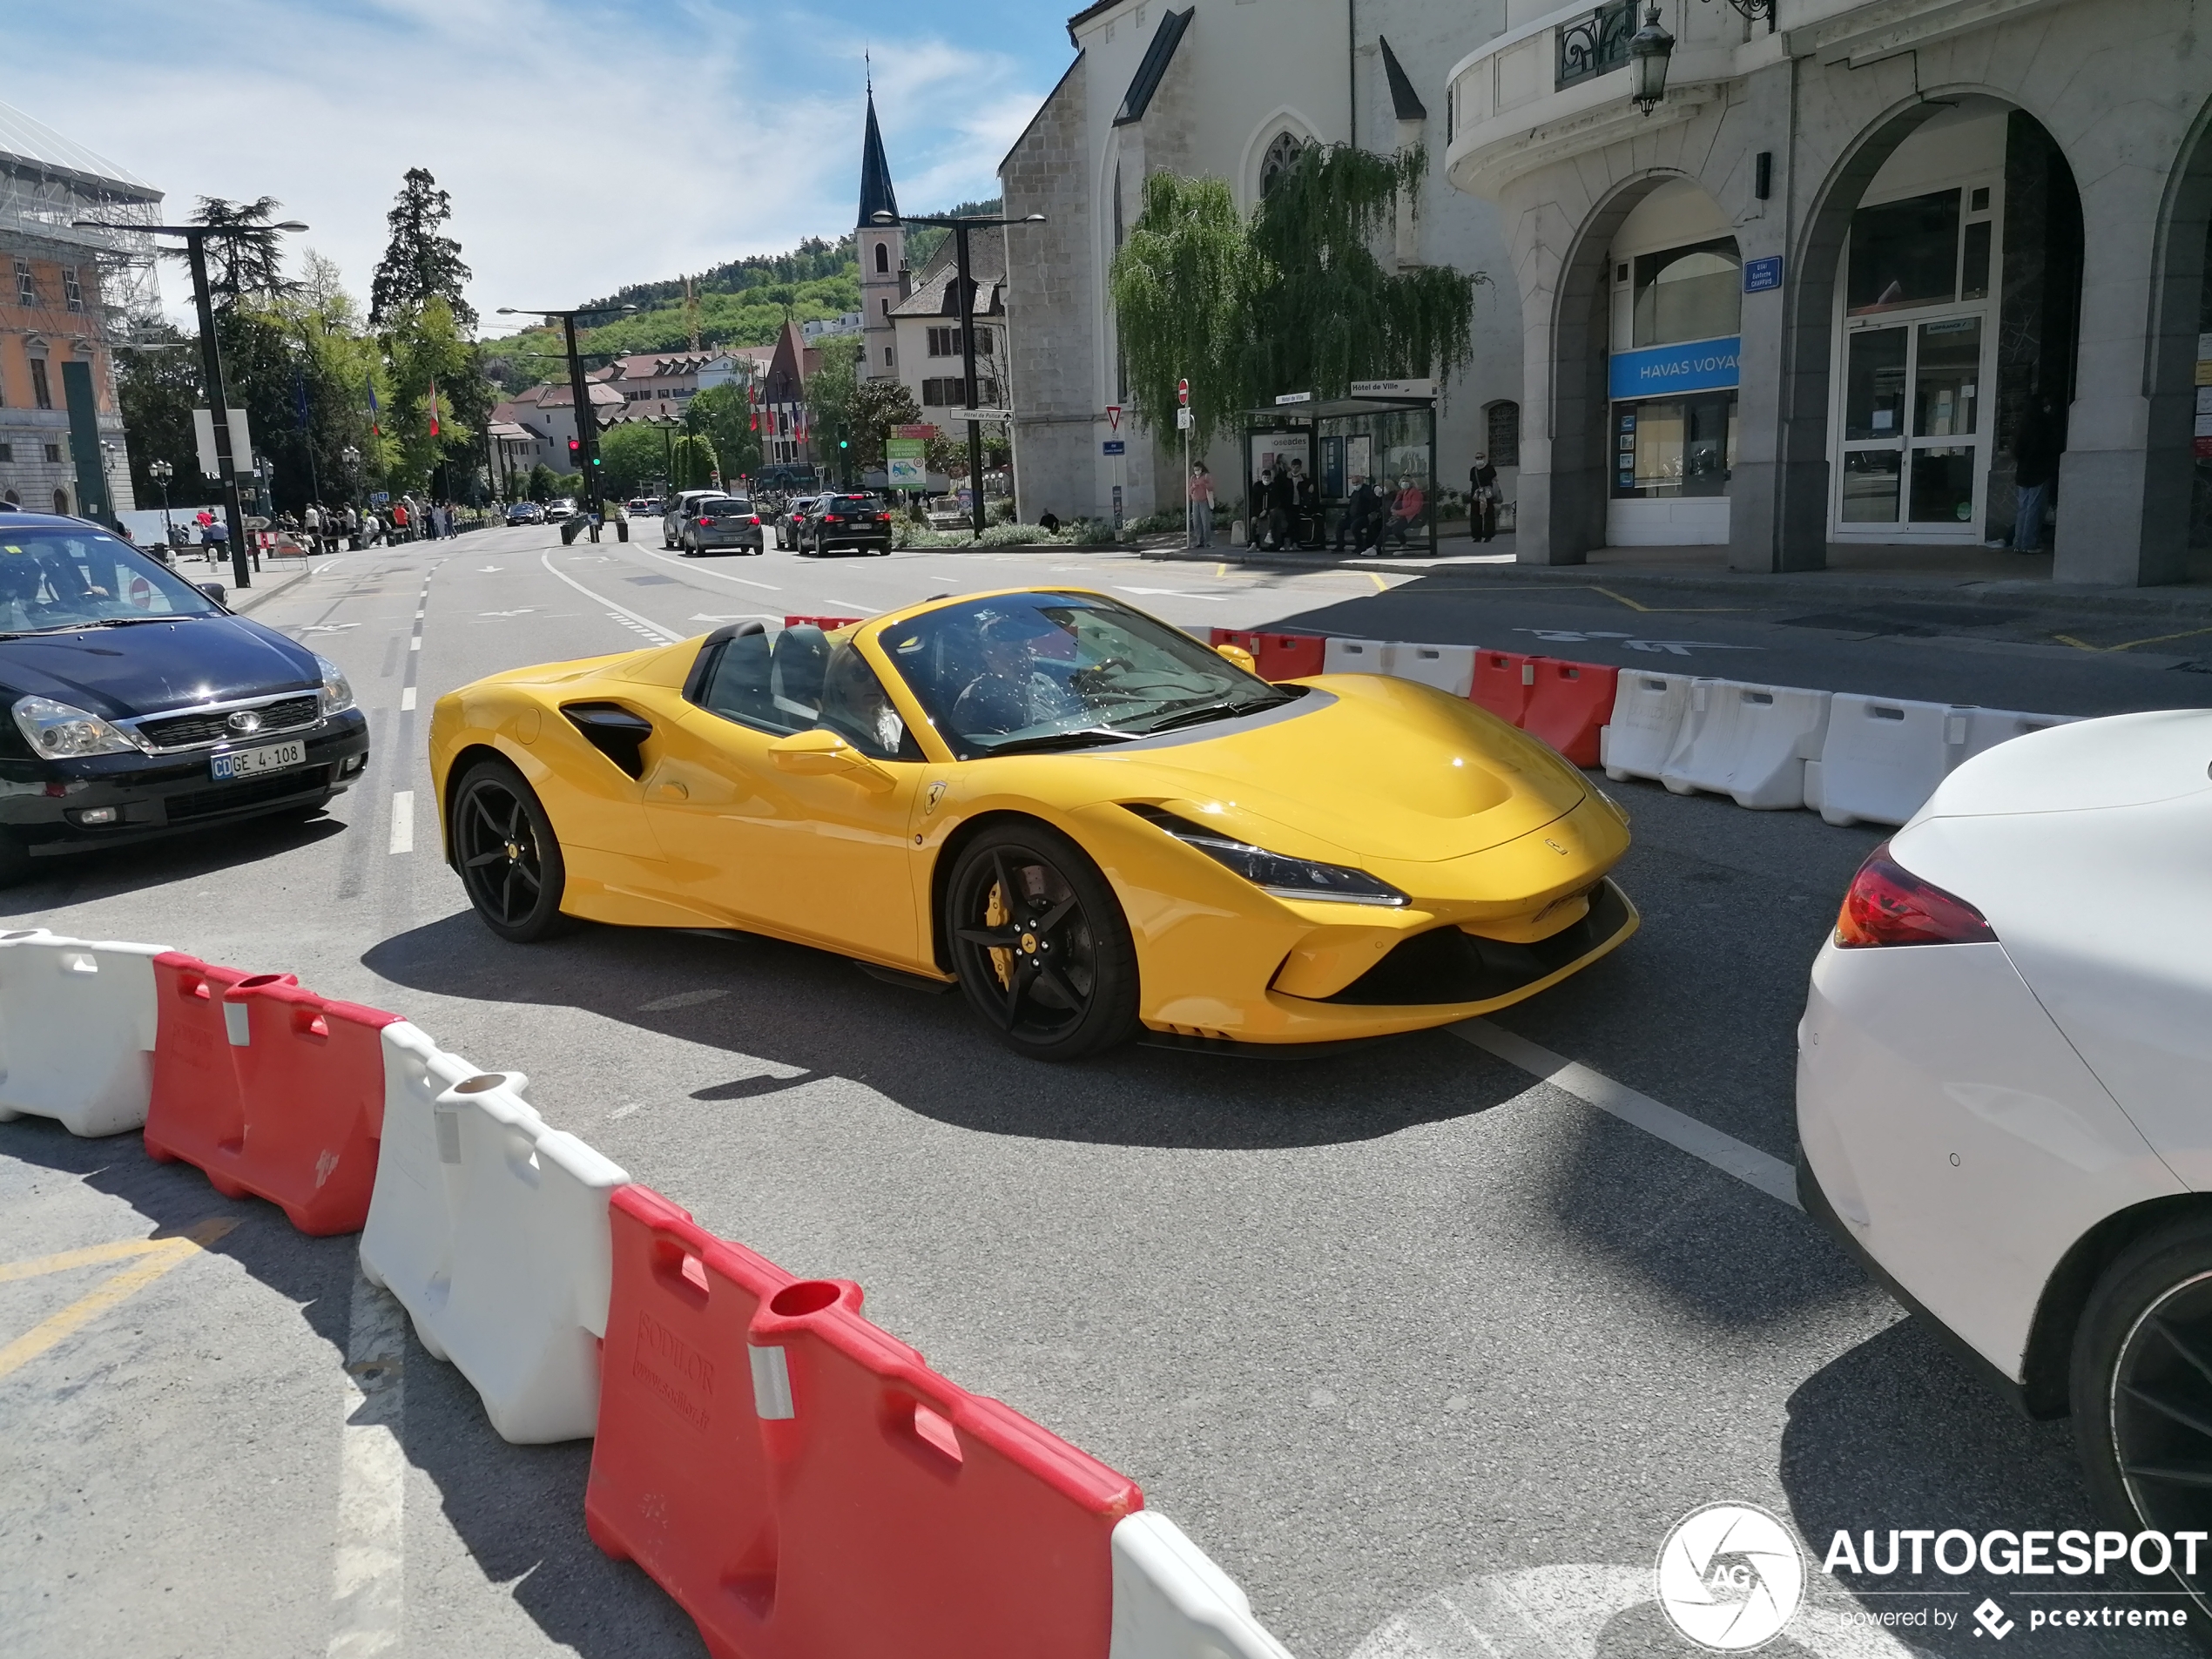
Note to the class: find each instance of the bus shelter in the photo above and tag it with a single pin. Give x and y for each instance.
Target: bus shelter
(1383, 431)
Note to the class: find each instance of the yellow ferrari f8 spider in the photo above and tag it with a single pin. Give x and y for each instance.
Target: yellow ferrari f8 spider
(1092, 824)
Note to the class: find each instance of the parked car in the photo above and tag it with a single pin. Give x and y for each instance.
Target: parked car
(525, 512)
(139, 706)
(789, 519)
(948, 513)
(720, 522)
(559, 508)
(859, 521)
(2001, 1089)
(671, 522)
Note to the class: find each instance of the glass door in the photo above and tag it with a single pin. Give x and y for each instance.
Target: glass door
(1914, 439)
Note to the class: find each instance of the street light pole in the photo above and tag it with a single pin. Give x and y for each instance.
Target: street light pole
(961, 225)
(218, 407)
(161, 472)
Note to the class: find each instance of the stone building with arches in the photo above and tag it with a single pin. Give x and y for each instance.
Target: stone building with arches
(1858, 271)
(1230, 89)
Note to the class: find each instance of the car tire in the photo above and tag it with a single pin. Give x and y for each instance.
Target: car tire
(507, 855)
(15, 864)
(1052, 974)
(2145, 1340)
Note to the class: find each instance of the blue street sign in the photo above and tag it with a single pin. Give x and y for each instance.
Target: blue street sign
(1655, 371)
(1759, 275)
(1114, 447)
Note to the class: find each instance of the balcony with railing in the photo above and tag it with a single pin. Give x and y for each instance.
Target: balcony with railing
(1558, 83)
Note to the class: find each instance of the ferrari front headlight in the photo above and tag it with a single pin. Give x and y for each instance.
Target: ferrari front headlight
(1275, 873)
(57, 731)
(337, 691)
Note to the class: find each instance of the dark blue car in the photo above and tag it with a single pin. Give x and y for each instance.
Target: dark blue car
(138, 705)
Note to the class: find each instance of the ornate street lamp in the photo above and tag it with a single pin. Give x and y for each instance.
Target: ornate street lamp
(1648, 50)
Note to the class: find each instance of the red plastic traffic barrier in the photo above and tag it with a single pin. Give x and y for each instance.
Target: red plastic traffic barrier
(269, 1089)
(802, 1484)
(1568, 706)
(1502, 682)
(827, 624)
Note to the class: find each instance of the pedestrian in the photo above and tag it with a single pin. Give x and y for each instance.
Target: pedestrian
(2038, 441)
(1360, 515)
(1282, 507)
(1256, 501)
(1482, 500)
(310, 522)
(1405, 510)
(1304, 505)
(214, 539)
(1201, 505)
(398, 519)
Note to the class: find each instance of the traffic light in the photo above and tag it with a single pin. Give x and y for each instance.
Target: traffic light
(576, 455)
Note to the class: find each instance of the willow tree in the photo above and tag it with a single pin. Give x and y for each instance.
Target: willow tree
(1179, 286)
(1292, 298)
(1322, 310)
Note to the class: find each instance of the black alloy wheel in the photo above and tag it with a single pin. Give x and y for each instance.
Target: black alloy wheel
(2141, 1392)
(1040, 945)
(510, 860)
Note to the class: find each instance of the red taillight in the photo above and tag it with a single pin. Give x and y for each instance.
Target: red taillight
(705, 523)
(756, 518)
(832, 519)
(1889, 905)
(883, 518)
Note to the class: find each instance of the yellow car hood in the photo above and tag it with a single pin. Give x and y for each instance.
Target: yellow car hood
(1363, 765)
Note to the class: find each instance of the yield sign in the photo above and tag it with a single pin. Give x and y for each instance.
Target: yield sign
(1114, 417)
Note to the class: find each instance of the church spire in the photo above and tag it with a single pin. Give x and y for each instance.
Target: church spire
(876, 194)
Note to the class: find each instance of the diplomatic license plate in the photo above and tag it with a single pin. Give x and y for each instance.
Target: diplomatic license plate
(252, 763)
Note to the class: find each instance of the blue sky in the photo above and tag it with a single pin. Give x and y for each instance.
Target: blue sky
(586, 144)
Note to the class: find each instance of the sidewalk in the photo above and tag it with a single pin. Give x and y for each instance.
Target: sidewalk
(1974, 574)
(273, 577)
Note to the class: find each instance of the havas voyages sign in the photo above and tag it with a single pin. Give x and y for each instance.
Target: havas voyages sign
(1655, 371)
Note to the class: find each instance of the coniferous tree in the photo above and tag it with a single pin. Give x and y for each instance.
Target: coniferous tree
(419, 265)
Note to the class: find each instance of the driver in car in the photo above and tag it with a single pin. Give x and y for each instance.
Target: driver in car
(1010, 691)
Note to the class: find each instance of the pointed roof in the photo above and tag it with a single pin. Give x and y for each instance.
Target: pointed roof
(876, 194)
(1403, 98)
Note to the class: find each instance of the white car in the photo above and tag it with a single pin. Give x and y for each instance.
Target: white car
(558, 510)
(2005, 1090)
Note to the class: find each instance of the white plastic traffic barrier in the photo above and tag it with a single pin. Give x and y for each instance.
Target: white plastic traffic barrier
(1170, 1601)
(78, 1022)
(1647, 713)
(1354, 656)
(1972, 730)
(1882, 757)
(1449, 668)
(518, 1301)
(1748, 742)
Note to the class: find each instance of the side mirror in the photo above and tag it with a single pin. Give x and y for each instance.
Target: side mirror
(214, 590)
(1241, 657)
(818, 753)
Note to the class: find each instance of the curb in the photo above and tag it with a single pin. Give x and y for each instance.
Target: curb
(1785, 589)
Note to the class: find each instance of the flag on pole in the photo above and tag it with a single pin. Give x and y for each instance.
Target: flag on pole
(374, 430)
(434, 409)
(752, 404)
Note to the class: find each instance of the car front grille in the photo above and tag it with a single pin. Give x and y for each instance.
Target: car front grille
(212, 803)
(183, 730)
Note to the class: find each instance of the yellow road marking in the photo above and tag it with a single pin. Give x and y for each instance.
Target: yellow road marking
(1221, 570)
(2156, 639)
(1381, 586)
(1668, 610)
(158, 1256)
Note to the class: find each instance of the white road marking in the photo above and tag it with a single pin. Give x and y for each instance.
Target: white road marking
(682, 1000)
(331, 627)
(485, 570)
(403, 821)
(698, 569)
(369, 1576)
(406, 698)
(624, 1111)
(1178, 593)
(854, 605)
(644, 624)
(415, 643)
(1724, 1152)
(526, 610)
(742, 616)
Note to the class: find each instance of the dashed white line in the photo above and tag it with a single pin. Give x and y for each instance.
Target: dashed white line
(1701, 1139)
(644, 624)
(403, 821)
(369, 1576)
(415, 643)
(406, 698)
(719, 576)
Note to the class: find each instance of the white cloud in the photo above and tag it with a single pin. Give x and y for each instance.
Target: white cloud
(574, 168)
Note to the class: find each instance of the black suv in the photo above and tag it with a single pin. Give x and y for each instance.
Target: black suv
(138, 705)
(859, 521)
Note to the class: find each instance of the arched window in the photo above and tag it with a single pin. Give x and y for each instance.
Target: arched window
(883, 256)
(1281, 155)
(1504, 433)
(61, 501)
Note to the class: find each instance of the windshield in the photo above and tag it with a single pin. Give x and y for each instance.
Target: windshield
(84, 578)
(847, 503)
(1047, 670)
(722, 508)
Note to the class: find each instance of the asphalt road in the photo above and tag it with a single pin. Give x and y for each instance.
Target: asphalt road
(1428, 1354)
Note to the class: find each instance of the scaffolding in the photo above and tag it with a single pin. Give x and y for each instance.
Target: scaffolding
(47, 183)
